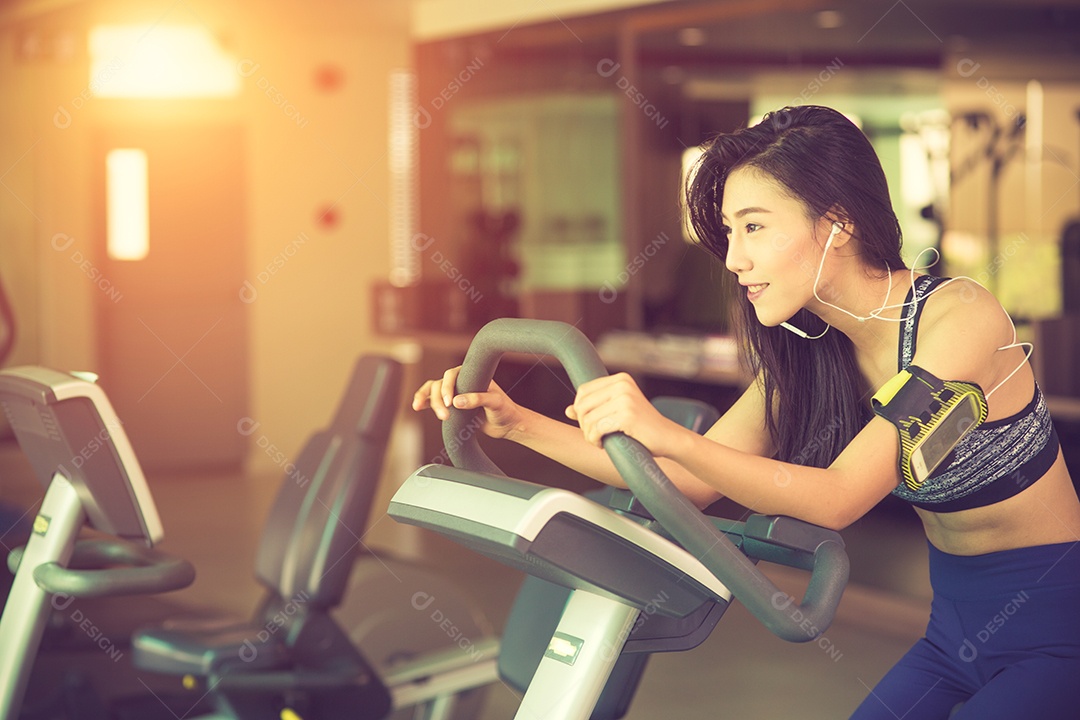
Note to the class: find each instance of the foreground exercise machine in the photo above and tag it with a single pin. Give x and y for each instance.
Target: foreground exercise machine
(644, 571)
(422, 645)
(335, 635)
(75, 444)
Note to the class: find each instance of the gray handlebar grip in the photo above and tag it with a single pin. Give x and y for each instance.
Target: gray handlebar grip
(143, 571)
(795, 622)
(541, 337)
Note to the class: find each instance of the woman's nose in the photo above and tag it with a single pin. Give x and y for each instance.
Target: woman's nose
(736, 259)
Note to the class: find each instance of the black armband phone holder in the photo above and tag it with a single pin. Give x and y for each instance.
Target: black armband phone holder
(931, 415)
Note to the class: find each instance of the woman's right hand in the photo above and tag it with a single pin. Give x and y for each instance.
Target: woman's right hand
(501, 414)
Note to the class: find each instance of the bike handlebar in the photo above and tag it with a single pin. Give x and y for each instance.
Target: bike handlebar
(796, 622)
(110, 567)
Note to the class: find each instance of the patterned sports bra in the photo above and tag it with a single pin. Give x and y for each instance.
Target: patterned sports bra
(995, 461)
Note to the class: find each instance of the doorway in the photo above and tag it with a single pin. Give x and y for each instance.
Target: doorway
(172, 329)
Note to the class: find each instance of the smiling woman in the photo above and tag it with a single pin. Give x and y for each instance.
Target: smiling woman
(798, 209)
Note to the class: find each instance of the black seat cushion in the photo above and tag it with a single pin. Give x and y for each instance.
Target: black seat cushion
(208, 646)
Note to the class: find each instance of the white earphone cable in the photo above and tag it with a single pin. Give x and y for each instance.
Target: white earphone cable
(877, 314)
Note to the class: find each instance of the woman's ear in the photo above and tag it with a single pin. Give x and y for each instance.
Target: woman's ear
(838, 226)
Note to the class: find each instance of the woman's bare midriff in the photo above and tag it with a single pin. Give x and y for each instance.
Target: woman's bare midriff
(1045, 513)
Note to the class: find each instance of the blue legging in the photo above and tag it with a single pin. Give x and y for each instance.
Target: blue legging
(1003, 640)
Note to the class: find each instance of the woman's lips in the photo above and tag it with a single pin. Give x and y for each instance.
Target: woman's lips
(753, 292)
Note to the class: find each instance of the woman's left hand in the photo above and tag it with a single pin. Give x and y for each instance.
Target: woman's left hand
(616, 404)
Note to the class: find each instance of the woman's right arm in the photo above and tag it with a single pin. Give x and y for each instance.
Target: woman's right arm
(742, 427)
(505, 419)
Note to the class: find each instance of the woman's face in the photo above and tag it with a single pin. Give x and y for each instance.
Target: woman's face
(772, 247)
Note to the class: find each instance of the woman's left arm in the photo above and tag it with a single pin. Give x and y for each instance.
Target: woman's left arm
(834, 497)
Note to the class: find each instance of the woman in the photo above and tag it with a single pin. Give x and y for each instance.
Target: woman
(798, 209)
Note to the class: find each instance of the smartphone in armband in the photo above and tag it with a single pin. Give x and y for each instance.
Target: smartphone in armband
(932, 416)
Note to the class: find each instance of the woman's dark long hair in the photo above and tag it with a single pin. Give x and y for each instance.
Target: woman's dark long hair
(814, 391)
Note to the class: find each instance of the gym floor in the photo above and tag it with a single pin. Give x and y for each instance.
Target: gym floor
(741, 672)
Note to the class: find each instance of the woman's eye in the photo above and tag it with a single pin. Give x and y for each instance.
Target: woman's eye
(751, 227)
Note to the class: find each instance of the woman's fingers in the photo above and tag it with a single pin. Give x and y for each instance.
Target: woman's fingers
(600, 393)
(437, 394)
(422, 397)
(589, 397)
(467, 401)
(449, 383)
(598, 424)
(606, 405)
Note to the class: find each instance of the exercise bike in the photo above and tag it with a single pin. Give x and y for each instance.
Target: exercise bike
(72, 438)
(293, 657)
(640, 572)
(424, 651)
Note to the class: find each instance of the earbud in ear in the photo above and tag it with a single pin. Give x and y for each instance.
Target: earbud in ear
(836, 227)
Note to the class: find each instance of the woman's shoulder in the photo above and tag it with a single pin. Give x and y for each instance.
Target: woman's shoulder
(961, 299)
(963, 320)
